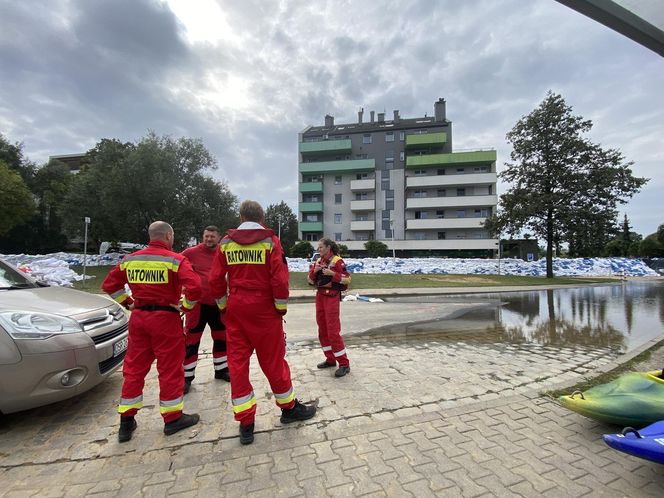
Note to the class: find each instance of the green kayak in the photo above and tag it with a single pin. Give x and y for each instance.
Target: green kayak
(635, 399)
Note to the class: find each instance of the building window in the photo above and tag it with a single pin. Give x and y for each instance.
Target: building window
(461, 235)
(389, 204)
(361, 196)
(420, 172)
(480, 169)
(402, 135)
(362, 217)
(311, 217)
(361, 156)
(389, 194)
(420, 194)
(461, 213)
(337, 236)
(402, 156)
(389, 136)
(441, 192)
(441, 235)
(337, 218)
(440, 214)
(337, 180)
(310, 198)
(366, 139)
(461, 192)
(337, 198)
(441, 171)
(481, 213)
(389, 156)
(460, 171)
(418, 215)
(420, 236)
(362, 176)
(311, 237)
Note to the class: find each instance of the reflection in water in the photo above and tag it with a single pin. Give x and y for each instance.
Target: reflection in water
(619, 317)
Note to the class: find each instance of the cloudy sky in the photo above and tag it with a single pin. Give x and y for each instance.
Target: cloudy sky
(246, 76)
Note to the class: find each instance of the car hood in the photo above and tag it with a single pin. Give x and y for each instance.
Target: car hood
(56, 300)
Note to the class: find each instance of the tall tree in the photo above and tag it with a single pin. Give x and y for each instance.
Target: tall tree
(558, 178)
(127, 186)
(17, 204)
(277, 215)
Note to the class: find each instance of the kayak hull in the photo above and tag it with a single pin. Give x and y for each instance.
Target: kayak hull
(648, 443)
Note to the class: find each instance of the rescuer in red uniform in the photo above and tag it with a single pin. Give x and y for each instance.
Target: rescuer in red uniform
(205, 313)
(252, 258)
(330, 276)
(155, 276)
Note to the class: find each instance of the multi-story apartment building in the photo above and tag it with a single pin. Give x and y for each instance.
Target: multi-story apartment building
(397, 181)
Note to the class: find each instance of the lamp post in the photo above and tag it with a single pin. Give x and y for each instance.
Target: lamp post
(279, 221)
(394, 256)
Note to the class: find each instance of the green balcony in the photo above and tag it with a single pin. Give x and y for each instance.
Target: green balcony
(426, 140)
(311, 207)
(311, 187)
(311, 226)
(351, 165)
(472, 158)
(325, 147)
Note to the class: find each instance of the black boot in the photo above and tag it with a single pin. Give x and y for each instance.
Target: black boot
(127, 427)
(187, 385)
(247, 434)
(297, 413)
(222, 374)
(325, 364)
(183, 422)
(341, 371)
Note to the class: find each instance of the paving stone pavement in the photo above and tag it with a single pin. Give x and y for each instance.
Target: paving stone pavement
(421, 415)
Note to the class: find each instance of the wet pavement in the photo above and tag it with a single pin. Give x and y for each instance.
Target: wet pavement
(436, 404)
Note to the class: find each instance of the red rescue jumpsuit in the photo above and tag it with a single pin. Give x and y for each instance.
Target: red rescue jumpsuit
(205, 313)
(155, 276)
(257, 298)
(327, 308)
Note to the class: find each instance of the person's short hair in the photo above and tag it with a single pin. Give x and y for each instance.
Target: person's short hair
(158, 230)
(211, 228)
(252, 211)
(331, 244)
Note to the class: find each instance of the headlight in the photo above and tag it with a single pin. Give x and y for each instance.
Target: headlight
(34, 325)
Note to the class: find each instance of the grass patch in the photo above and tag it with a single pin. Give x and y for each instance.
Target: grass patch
(298, 280)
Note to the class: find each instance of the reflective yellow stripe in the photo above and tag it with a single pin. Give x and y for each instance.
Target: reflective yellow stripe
(251, 254)
(244, 403)
(188, 304)
(174, 408)
(128, 404)
(281, 304)
(285, 398)
(221, 302)
(120, 296)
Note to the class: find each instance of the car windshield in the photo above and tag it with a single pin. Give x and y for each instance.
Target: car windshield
(10, 278)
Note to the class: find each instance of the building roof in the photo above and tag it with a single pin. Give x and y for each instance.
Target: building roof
(402, 124)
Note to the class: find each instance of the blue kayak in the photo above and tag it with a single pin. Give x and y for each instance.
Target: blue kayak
(647, 443)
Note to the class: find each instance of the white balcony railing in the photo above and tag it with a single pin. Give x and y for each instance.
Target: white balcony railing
(363, 205)
(444, 224)
(449, 180)
(447, 202)
(366, 184)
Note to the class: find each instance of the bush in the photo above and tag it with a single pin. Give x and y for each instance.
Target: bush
(302, 249)
(343, 250)
(650, 248)
(375, 248)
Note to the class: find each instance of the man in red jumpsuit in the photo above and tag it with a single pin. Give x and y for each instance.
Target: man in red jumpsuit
(253, 260)
(330, 276)
(155, 276)
(205, 313)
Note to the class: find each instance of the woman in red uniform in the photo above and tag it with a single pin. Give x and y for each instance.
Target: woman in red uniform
(330, 276)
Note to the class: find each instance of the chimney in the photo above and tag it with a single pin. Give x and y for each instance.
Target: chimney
(396, 116)
(372, 116)
(360, 114)
(439, 109)
(329, 121)
(381, 117)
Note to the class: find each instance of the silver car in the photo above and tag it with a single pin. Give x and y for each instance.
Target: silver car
(55, 342)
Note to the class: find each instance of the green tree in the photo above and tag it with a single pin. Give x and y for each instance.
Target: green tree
(17, 204)
(557, 177)
(281, 214)
(302, 249)
(12, 156)
(375, 248)
(343, 250)
(125, 186)
(660, 234)
(650, 248)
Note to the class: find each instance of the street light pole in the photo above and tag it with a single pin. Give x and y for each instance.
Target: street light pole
(279, 221)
